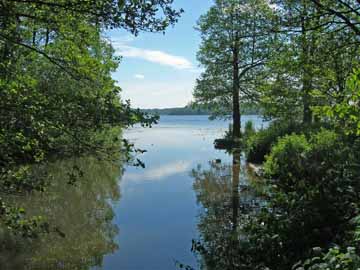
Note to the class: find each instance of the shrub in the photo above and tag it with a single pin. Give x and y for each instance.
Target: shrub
(325, 144)
(297, 158)
(313, 186)
(334, 259)
(259, 144)
(311, 181)
(312, 193)
(287, 158)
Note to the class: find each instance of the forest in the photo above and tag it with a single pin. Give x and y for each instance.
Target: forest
(295, 62)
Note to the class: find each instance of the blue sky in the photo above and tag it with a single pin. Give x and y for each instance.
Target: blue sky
(159, 71)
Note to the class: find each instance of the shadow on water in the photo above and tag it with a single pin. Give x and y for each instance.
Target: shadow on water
(228, 194)
(82, 212)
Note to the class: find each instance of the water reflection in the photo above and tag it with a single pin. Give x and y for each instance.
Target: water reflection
(227, 197)
(161, 172)
(83, 213)
(156, 214)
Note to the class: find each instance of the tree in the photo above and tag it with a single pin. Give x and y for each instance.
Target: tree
(343, 14)
(312, 64)
(235, 45)
(32, 24)
(57, 97)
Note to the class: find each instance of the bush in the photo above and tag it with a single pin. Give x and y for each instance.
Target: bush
(259, 144)
(312, 194)
(287, 158)
(334, 259)
(323, 144)
(296, 157)
(311, 181)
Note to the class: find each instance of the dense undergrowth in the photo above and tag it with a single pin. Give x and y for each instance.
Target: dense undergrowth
(312, 176)
(311, 179)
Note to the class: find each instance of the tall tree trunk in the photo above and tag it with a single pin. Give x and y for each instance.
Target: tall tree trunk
(47, 34)
(236, 97)
(34, 38)
(306, 73)
(6, 50)
(307, 113)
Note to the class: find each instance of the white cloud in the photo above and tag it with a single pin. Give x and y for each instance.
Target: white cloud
(158, 94)
(154, 56)
(158, 57)
(139, 76)
(169, 89)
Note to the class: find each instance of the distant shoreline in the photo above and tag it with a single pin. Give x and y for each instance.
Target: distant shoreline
(247, 110)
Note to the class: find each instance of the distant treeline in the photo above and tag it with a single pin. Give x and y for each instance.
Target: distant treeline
(177, 111)
(247, 109)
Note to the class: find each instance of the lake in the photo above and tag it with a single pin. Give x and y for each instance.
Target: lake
(140, 218)
(158, 211)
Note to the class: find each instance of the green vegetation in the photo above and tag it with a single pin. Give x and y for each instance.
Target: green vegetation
(235, 44)
(308, 85)
(227, 141)
(57, 97)
(259, 144)
(310, 202)
(295, 61)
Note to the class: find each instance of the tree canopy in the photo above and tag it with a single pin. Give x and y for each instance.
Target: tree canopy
(57, 96)
(235, 46)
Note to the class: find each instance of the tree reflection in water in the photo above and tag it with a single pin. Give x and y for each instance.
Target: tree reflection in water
(227, 200)
(83, 213)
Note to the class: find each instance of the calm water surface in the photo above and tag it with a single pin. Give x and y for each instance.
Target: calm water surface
(141, 218)
(158, 213)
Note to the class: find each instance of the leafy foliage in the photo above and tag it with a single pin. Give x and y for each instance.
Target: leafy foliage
(333, 259)
(346, 114)
(57, 97)
(259, 144)
(287, 157)
(309, 85)
(235, 45)
(315, 55)
(312, 192)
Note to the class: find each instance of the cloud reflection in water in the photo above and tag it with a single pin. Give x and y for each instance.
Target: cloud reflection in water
(160, 173)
